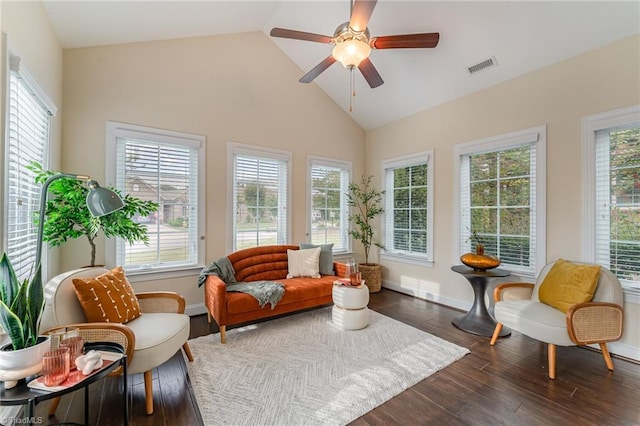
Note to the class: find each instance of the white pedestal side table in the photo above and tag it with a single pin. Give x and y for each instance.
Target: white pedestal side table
(350, 310)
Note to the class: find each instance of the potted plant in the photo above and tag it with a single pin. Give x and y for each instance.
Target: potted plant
(367, 201)
(21, 306)
(67, 216)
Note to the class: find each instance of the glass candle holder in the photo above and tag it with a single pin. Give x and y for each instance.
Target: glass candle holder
(75, 346)
(55, 366)
(62, 333)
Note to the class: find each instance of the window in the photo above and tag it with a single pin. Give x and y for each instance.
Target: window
(501, 184)
(259, 196)
(612, 193)
(408, 224)
(29, 113)
(167, 168)
(329, 213)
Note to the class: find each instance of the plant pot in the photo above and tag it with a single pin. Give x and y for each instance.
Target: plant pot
(372, 276)
(16, 365)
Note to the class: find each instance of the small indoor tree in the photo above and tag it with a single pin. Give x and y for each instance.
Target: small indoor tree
(67, 216)
(367, 201)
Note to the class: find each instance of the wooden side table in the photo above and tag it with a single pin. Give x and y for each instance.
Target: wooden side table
(22, 394)
(478, 320)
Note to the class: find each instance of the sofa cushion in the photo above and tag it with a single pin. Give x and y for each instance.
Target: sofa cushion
(304, 263)
(568, 283)
(261, 263)
(296, 290)
(107, 298)
(534, 319)
(326, 257)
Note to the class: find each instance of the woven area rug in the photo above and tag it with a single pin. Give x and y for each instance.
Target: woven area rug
(303, 370)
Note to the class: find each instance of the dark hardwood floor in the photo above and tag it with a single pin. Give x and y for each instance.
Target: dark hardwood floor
(502, 385)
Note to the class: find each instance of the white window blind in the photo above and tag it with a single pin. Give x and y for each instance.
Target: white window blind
(329, 221)
(260, 198)
(617, 201)
(28, 138)
(163, 167)
(408, 206)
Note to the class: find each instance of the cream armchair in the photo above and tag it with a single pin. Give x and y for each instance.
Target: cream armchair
(599, 321)
(151, 339)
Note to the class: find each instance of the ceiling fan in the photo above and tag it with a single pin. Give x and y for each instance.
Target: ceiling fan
(353, 43)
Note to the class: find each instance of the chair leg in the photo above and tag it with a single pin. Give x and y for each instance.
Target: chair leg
(209, 318)
(187, 351)
(148, 391)
(54, 406)
(496, 334)
(223, 334)
(606, 355)
(552, 360)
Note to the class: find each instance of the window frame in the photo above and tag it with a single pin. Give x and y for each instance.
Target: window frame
(14, 65)
(590, 126)
(414, 159)
(345, 167)
(116, 130)
(534, 135)
(235, 148)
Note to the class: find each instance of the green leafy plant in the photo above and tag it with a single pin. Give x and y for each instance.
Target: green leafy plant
(368, 203)
(21, 305)
(67, 216)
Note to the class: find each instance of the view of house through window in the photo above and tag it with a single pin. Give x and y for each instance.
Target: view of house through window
(162, 168)
(617, 168)
(329, 210)
(260, 198)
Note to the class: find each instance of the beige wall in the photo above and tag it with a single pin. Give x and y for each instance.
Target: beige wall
(31, 36)
(558, 96)
(239, 88)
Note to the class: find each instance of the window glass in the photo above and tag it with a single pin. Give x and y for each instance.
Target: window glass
(28, 139)
(329, 210)
(163, 167)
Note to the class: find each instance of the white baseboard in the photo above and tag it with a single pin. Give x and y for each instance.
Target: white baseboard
(618, 348)
(197, 309)
(432, 297)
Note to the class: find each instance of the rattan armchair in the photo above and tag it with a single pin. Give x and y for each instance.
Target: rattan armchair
(149, 340)
(599, 321)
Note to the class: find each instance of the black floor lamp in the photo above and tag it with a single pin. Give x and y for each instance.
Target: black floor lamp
(100, 201)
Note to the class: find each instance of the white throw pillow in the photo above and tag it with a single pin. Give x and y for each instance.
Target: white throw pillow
(304, 263)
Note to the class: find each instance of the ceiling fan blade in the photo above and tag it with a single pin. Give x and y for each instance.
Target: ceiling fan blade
(405, 41)
(370, 73)
(317, 70)
(360, 14)
(300, 35)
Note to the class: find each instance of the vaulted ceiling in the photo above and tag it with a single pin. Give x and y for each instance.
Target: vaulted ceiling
(520, 37)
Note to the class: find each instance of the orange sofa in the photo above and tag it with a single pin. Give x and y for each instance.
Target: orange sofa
(264, 263)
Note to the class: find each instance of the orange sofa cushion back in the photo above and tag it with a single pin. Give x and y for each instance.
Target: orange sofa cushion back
(261, 263)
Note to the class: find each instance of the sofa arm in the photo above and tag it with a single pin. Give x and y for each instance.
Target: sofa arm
(161, 301)
(215, 299)
(594, 322)
(513, 291)
(340, 269)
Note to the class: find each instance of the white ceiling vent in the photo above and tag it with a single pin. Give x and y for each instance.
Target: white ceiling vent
(484, 65)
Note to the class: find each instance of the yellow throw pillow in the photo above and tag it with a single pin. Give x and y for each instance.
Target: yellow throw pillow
(568, 283)
(108, 297)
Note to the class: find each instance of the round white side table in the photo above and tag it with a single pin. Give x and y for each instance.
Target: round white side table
(350, 310)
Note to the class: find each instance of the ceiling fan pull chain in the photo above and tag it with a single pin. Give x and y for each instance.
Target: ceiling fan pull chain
(352, 89)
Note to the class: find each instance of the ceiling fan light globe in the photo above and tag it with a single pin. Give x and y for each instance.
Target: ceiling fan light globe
(351, 52)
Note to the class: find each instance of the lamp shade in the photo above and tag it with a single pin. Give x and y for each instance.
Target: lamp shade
(102, 201)
(351, 52)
